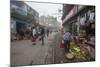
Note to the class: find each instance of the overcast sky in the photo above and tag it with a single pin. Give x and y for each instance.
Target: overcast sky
(46, 9)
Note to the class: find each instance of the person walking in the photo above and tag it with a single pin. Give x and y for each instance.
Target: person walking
(67, 38)
(33, 36)
(42, 35)
(47, 32)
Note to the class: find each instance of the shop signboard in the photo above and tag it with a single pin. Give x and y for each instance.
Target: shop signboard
(71, 13)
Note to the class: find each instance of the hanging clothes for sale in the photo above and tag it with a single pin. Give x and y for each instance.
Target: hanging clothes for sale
(82, 20)
(91, 17)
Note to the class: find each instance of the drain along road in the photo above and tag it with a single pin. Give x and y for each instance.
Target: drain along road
(24, 53)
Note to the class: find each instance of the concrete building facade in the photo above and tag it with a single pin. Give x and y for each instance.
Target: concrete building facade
(22, 16)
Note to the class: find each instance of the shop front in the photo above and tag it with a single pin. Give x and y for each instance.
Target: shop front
(82, 27)
(69, 20)
(87, 30)
(18, 28)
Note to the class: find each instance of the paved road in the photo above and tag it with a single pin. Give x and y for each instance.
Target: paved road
(24, 53)
(58, 52)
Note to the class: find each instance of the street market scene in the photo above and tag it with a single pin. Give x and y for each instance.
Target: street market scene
(51, 33)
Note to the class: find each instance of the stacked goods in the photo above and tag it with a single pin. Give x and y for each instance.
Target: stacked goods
(79, 52)
(82, 33)
(85, 52)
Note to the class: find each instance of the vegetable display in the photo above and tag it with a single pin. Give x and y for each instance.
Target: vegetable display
(80, 53)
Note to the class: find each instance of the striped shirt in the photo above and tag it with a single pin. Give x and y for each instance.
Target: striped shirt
(67, 36)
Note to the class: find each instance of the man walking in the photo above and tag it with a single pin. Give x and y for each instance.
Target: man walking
(42, 35)
(33, 36)
(47, 32)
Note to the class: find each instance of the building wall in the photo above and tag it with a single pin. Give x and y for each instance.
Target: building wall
(49, 22)
(66, 9)
(22, 13)
(21, 10)
(69, 13)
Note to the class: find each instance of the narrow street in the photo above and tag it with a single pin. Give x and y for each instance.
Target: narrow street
(58, 52)
(30, 21)
(24, 53)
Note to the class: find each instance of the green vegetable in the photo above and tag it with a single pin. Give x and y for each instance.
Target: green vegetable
(75, 49)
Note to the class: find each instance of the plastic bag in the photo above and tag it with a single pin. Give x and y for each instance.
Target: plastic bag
(62, 44)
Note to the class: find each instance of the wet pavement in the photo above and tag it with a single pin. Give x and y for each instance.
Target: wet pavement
(24, 53)
(58, 52)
